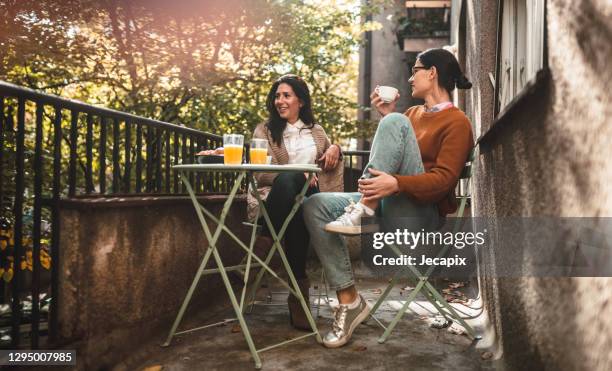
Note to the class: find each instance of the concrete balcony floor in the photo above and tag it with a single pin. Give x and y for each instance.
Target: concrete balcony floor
(413, 345)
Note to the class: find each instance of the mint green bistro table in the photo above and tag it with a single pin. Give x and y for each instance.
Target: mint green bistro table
(243, 170)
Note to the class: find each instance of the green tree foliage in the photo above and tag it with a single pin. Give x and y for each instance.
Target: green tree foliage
(203, 64)
(207, 65)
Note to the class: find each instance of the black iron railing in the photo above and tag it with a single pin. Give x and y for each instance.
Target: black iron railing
(425, 23)
(54, 148)
(354, 163)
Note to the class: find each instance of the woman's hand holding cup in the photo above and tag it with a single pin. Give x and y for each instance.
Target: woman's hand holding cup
(384, 98)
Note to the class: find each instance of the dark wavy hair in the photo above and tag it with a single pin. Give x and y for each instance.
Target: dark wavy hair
(277, 124)
(449, 71)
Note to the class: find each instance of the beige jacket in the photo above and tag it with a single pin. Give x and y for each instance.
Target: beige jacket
(329, 181)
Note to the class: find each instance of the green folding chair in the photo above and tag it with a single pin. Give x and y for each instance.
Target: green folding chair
(321, 288)
(422, 279)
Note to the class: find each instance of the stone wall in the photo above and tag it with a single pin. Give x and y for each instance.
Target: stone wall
(549, 156)
(125, 267)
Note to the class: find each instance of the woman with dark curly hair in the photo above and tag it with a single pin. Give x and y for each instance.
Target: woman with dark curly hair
(294, 137)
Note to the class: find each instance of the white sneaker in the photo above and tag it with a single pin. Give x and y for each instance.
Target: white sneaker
(349, 223)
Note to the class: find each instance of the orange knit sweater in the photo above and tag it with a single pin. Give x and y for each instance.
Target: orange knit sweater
(445, 141)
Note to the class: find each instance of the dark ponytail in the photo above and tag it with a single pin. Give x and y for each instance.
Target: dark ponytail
(449, 71)
(462, 82)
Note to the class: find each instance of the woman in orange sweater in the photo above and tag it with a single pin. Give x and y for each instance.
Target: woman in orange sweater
(414, 166)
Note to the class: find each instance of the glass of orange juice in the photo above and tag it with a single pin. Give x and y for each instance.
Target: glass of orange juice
(259, 151)
(232, 149)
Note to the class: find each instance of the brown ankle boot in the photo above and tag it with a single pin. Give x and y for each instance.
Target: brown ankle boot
(297, 317)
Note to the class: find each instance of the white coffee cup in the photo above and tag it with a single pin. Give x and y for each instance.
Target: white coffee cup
(386, 93)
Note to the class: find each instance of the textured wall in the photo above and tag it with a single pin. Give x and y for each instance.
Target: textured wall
(480, 43)
(551, 158)
(125, 269)
(478, 27)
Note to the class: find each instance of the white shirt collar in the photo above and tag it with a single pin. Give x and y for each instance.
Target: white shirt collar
(440, 106)
(298, 124)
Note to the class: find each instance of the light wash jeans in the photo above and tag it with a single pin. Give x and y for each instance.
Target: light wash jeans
(395, 151)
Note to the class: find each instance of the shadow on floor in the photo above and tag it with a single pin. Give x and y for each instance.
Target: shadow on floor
(413, 345)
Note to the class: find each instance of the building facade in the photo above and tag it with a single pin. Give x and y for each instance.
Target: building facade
(540, 108)
(389, 52)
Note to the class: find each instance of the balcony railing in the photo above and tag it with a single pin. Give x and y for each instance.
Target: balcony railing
(354, 162)
(425, 25)
(54, 148)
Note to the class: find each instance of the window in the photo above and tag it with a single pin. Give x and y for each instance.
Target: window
(522, 46)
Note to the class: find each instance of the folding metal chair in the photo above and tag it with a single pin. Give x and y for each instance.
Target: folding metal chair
(321, 288)
(423, 284)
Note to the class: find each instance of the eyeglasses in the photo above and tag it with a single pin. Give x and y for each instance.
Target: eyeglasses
(415, 69)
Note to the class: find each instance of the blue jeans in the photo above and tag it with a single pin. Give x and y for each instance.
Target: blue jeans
(395, 151)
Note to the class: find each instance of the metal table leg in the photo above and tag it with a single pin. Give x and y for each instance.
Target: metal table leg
(277, 246)
(238, 306)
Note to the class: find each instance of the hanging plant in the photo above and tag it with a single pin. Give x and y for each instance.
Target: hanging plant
(424, 22)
